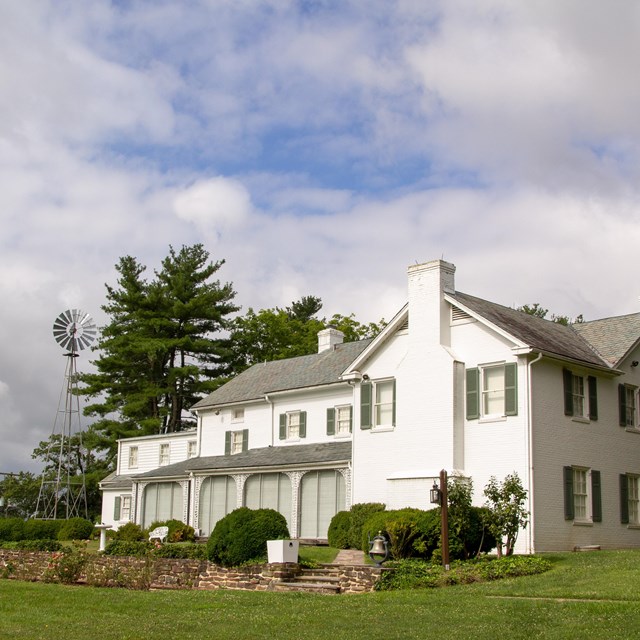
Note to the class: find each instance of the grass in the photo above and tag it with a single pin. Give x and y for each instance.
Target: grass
(320, 555)
(588, 595)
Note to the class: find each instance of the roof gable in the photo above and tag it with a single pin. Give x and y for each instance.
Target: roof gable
(614, 337)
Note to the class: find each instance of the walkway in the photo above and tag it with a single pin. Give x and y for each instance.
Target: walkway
(349, 556)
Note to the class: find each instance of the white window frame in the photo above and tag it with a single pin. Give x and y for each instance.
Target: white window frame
(165, 454)
(633, 499)
(192, 449)
(581, 494)
(237, 441)
(631, 406)
(125, 508)
(580, 401)
(237, 414)
(293, 425)
(380, 406)
(489, 396)
(133, 457)
(343, 418)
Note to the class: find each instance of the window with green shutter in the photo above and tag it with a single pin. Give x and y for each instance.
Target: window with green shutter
(293, 425)
(492, 391)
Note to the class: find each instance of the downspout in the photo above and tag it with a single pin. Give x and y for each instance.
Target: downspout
(268, 399)
(531, 542)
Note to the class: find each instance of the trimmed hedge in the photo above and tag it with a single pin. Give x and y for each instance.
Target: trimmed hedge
(130, 532)
(75, 529)
(33, 545)
(189, 550)
(135, 548)
(178, 530)
(241, 536)
(338, 534)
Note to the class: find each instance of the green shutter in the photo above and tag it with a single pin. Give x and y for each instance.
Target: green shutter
(473, 394)
(596, 497)
(331, 421)
(511, 389)
(116, 508)
(303, 424)
(593, 398)
(567, 379)
(350, 418)
(624, 499)
(227, 443)
(283, 426)
(393, 416)
(568, 493)
(245, 439)
(622, 405)
(365, 405)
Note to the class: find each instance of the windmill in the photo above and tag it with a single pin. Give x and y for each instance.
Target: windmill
(63, 494)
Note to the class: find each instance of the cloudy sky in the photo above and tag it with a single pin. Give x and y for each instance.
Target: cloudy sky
(319, 147)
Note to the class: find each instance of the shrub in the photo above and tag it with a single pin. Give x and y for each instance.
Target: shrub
(66, 566)
(11, 529)
(75, 529)
(411, 532)
(189, 550)
(131, 532)
(360, 513)
(38, 545)
(241, 536)
(42, 529)
(339, 528)
(178, 530)
(136, 548)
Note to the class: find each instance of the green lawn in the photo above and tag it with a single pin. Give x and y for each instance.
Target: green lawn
(585, 595)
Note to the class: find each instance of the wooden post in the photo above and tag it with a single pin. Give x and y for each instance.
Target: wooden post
(444, 508)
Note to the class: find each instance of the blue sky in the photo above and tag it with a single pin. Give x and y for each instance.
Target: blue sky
(319, 148)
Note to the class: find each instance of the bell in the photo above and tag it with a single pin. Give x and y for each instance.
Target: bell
(377, 546)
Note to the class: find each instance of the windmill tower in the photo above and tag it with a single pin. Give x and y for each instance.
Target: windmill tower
(63, 494)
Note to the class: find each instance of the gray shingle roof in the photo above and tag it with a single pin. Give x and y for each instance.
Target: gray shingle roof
(612, 337)
(280, 375)
(113, 481)
(537, 333)
(299, 455)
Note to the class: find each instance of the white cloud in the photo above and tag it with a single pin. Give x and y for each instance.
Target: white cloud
(214, 204)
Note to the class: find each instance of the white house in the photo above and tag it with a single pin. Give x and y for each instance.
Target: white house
(453, 382)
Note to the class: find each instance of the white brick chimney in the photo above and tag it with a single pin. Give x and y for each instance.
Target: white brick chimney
(428, 313)
(328, 338)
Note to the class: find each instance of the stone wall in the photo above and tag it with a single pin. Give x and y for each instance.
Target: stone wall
(169, 573)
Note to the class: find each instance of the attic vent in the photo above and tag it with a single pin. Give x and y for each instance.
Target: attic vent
(458, 315)
(405, 325)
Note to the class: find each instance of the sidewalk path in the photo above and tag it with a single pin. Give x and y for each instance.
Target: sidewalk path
(349, 556)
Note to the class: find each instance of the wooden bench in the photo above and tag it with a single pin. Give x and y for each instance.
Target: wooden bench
(160, 533)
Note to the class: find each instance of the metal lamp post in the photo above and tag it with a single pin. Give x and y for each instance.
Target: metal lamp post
(438, 495)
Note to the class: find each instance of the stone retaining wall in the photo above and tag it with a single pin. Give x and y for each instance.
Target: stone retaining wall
(169, 573)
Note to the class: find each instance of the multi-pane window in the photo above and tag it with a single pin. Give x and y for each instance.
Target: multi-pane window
(133, 457)
(343, 420)
(237, 415)
(580, 395)
(377, 404)
(383, 407)
(577, 392)
(125, 509)
(192, 447)
(628, 404)
(582, 495)
(236, 442)
(492, 391)
(164, 453)
(630, 499)
(293, 425)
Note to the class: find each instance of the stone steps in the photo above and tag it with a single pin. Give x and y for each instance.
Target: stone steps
(323, 580)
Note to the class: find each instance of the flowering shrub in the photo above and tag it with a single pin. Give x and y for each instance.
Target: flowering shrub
(67, 565)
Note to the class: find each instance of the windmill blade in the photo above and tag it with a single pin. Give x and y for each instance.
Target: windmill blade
(74, 330)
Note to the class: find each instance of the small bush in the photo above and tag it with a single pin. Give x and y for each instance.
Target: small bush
(66, 566)
(241, 536)
(189, 550)
(339, 528)
(38, 545)
(135, 548)
(130, 532)
(178, 530)
(12, 529)
(42, 529)
(411, 532)
(360, 513)
(75, 529)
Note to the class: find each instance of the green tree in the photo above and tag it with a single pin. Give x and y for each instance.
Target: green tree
(162, 349)
(507, 515)
(537, 310)
(20, 494)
